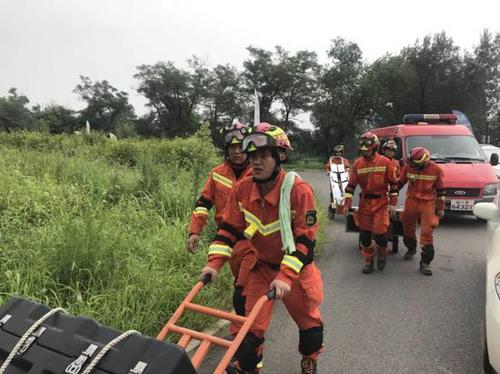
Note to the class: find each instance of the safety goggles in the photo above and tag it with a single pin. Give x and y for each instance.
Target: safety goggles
(257, 140)
(237, 134)
(367, 142)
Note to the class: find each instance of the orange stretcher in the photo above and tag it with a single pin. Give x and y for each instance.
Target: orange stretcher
(207, 340)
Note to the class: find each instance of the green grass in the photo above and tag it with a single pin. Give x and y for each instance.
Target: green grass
(100, 228)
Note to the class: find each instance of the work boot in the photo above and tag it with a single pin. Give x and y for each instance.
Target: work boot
(425, 268)
(309, 366)
(368, 268)
(409, 254)
(381, 262)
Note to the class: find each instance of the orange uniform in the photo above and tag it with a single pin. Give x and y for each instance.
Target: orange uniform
(252, 221)
(336, 160)
(376, 176)
(215, 192)
(425, 195)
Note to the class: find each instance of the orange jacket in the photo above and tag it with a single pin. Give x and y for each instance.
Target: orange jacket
(251, 220)
(336, 160)
(426, 184)
(215, 192)
(375, 176)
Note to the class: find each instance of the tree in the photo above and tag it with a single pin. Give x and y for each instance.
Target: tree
(482, 76)
(296, 76)
(260, 75)
(174, 94)
(342, 103)
(226, 100)
(56, 118)
(14, 115)
(437, 70)
(106, 105)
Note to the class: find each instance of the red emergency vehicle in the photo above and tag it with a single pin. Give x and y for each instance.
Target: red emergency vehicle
(469, 177)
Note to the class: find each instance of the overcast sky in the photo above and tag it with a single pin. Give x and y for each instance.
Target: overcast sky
(46, 44)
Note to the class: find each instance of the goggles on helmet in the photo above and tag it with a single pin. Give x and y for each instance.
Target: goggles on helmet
(367, 142)
(237, 134)
(257, 140)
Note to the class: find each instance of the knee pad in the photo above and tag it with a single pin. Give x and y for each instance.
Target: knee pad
(381, 240)
(247, 355)
(239, 301)
(365, 237)
(427, 253)
(310, 340)
(411, 243)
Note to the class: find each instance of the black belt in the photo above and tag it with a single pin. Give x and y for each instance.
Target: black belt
(371, 196)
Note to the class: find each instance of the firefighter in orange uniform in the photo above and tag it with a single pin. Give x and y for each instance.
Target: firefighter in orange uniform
(425, 201)
(218, 186)
(389, 150)
(252, 219)
(376, 176)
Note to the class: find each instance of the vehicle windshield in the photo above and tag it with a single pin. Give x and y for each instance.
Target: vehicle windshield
(448, 148)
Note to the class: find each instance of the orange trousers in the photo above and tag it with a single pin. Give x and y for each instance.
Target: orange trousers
(241, 261)
(423, 211)
(302, 302)
(373, 216)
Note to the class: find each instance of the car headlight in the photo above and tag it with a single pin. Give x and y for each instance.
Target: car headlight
(491, 189)
(497, 284)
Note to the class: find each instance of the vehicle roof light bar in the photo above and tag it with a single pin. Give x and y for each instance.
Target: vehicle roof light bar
(430, 118)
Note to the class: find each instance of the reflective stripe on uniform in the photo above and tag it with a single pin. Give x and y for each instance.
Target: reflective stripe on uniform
(220, 249)
(265, 230)
(373, 169)
(222, 180)
(200, 211)
(293, 263)
(421, 177)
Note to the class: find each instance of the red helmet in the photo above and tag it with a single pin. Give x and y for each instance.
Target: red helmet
(266, 135)
(419, 157)
(235, 132)
(390, 144)
(368, 142)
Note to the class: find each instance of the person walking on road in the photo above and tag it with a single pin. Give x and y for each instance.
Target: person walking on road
(389, 150)
(424, 203)
(256, 217)
(376, 176)
(220, 183)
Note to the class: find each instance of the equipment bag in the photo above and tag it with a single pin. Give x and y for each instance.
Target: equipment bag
(62, 344)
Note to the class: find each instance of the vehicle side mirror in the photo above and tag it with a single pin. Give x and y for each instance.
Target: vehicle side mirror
(494, 159)
(488, 211)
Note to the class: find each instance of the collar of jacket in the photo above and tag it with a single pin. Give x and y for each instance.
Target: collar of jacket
(273, 197)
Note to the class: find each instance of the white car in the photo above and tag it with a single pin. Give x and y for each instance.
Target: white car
(488, 151)
(491, 212)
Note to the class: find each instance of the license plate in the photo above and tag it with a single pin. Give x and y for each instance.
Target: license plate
(461, 204)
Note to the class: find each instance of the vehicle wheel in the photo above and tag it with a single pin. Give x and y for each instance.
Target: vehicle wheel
(481, 220)
(488, 369)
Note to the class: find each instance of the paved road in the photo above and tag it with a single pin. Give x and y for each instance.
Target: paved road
(398, 321)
